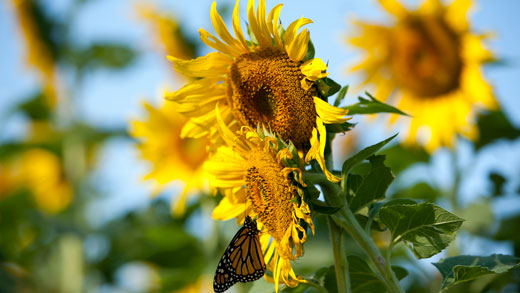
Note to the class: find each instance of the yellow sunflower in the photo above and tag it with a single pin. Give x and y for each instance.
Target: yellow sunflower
(265, 80)
(431, 59)
(258, 173)
(38, 52)
(172, 157)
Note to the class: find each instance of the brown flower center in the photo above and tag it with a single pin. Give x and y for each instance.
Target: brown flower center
(265, 88)
(426, 56)
(270, 192)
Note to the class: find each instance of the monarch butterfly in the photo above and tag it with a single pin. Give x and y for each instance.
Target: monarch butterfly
(243, 260)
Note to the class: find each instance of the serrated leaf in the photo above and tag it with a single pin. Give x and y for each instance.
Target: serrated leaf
(372, 106)
(341, 95)
(426, 228)
(321, 207)
(464, 268)
(358, 158)
(374, 185)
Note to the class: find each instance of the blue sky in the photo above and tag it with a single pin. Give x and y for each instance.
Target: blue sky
(109, 99)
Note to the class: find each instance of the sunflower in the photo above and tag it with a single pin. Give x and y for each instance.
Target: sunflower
(259, 174)
(172, 157)
(39, 53)
(265, 80)
(431, 60)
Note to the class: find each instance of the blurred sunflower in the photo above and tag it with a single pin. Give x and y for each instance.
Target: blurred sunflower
(40, 172)
(258, 173)
(38, 47)
(265, 80)
(167, 32)
(432, 61)
(172, 157)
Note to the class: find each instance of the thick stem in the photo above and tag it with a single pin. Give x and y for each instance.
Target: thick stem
(340, 260)
(347, 221)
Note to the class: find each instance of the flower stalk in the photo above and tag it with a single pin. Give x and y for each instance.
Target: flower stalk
(345, 220)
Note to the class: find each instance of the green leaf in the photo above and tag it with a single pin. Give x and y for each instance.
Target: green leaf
(426, 228)
(371, 106)
(498, 183)
(341, 95)
(339, 127)
(400, 272)
(421, 190)
(363, 155)
(36, 107)
(494, 125)
(327, 276)
(479, 217)
(327, 87)
(310, 51)
(362, 278)
(358, 158)
(400, 157)
(374, 185)
(102, 55)
(464, 268)
(321, 207)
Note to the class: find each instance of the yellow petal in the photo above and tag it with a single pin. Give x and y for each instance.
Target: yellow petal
(328, 113)
(226, 210)
(314, 69)
(395, 8)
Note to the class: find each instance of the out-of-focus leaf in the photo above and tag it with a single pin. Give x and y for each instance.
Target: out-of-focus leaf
(374, 185)
(341, 95)
(327, 276)
(372, 106)
(464, 268)
(479, 217)
(421, 190)
(400, 272)
(426, 228)
(400, 157)
(498, 183)
(494, 125)
(102, 55)
(508, 231)
(36, 107)
(327, 87)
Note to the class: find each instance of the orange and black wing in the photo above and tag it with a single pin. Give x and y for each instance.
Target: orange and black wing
(243, 260)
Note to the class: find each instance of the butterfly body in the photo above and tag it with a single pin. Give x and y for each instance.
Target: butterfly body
(243, 260)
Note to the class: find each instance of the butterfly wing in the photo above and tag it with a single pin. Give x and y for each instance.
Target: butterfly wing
(243, 260)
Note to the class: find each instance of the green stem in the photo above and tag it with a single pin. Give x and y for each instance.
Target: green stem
(345, 219)
(340, 260)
